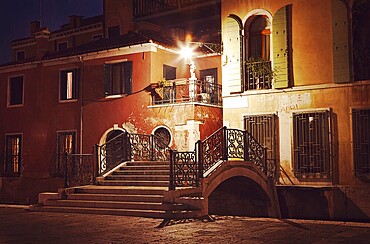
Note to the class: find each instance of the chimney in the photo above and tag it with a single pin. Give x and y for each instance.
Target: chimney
(34, 27)
(75, 21)
(42, 42)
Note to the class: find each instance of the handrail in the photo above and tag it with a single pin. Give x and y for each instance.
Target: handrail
(130, 146)
(187, 168)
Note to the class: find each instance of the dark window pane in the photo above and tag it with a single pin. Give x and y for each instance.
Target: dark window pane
(16, 90)
(118, 78)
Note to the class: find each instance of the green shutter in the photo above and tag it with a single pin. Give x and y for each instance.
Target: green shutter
(63, 85)
(233, 67)
(341, 73)
(281, 44)
(107, 79)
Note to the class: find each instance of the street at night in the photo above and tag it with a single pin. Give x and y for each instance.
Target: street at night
(21, 226)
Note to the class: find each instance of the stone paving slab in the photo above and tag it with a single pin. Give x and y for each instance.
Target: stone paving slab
(17, 225)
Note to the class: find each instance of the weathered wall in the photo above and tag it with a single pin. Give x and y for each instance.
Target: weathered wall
(349, 203)
(338, 98)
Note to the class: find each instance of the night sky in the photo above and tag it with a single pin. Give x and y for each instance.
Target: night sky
(15, 16)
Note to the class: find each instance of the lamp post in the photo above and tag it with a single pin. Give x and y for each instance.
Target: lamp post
(187, 53)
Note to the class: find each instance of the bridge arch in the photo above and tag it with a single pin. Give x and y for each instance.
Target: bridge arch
(240, 188)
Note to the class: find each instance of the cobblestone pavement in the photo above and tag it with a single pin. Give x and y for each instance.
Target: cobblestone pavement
(20, 226)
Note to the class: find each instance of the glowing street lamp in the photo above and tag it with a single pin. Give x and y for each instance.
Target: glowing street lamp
(187, 53)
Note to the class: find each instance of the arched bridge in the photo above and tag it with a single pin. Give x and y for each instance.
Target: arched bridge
(135, 174)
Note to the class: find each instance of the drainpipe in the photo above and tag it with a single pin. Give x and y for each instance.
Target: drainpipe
(81, 81)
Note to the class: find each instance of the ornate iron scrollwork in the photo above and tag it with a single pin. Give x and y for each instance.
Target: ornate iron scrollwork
(235, 143)
(185, 169)
(79, 170)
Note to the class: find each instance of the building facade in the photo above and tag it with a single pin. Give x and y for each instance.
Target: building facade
(293, 76)
(82, 85)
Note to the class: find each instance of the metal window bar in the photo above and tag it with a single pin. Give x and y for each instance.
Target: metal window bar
(13, 155)
(361, 141)
(65, 144)
(311, 142)
(264, 129)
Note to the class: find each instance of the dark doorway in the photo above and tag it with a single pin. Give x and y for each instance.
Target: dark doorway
(116, 147)
(239, 196)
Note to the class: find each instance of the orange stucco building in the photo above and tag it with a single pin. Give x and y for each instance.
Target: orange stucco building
(70, 89)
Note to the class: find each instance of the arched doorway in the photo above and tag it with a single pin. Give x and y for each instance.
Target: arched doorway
(115, 149)
(239, 196)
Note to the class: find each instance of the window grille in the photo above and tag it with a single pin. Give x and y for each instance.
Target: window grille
(13, 155)
(311, 143)
(66, 143)
(263, 128)
(361, 141)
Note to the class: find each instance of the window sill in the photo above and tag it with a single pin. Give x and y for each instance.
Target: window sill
(68, 101)
(115, 96)
(14, 105)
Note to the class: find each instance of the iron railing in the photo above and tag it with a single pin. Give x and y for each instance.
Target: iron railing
(187, 168)
(258, 75)
(184, 91)
(130, 146)
(143, 8)
(79, 169)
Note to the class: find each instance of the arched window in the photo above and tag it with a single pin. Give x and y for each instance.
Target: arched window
(164, 134)
(361, 39)
(259, 38)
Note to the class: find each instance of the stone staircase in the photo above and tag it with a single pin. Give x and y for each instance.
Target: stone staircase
(133, 189)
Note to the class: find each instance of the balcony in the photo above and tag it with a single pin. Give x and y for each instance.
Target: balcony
(258, 75)
(197, 16)
(144, 8)
(186, 91)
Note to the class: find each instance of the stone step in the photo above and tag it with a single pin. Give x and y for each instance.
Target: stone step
(105, 204)
(121, 190)
(160, 214)
(141, 172)
(145, 167)
(139, 177)
(133, 183)
(117, 205)
(116, 197)
(147, 163)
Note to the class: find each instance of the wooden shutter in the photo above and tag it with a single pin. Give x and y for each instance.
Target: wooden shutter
(76, 81)
(107, 79)
(341, 73)
(233, 46)
(281, 45)
(63, 85)
(127, 82)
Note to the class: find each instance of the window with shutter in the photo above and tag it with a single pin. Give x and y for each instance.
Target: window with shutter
(118, 78)
(281, 38)
(68, 84)
(233, 40)
(341, 73)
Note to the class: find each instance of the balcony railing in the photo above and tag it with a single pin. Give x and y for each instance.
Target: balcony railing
(187, 91)
(144, 8)
(258, 75)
